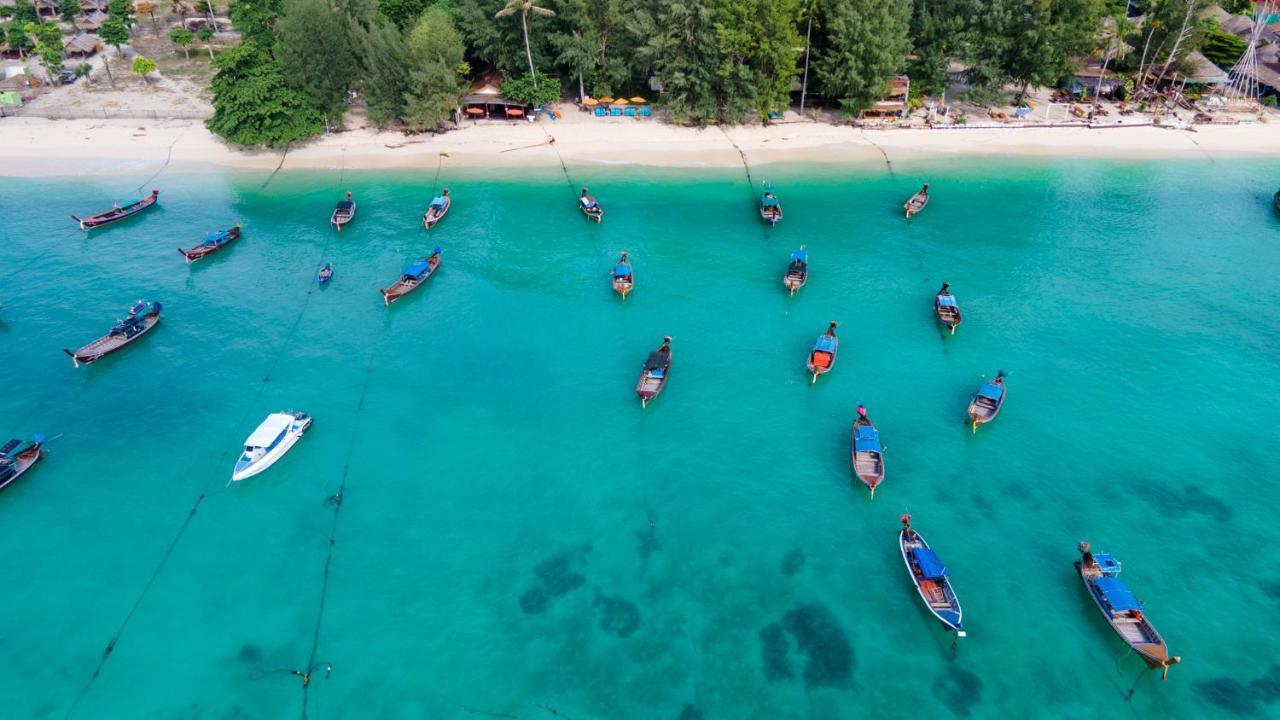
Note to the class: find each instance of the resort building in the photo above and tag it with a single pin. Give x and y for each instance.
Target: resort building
(82, 46)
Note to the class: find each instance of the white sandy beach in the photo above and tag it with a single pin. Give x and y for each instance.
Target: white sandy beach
(38, 147)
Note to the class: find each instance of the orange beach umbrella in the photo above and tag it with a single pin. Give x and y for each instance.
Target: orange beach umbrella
(606, 100)
(591, 101)
(638, 100)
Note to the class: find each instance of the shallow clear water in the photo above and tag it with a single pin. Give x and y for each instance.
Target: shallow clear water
(516, 532)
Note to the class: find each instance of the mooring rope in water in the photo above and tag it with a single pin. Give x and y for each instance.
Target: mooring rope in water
(884, 154)
(551, 140)
(167, 160)
(751, 183)
(279, 165)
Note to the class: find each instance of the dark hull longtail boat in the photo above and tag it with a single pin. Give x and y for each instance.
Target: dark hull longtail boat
(412, 277)
(868, 453)
(986, 403)
(438, 208)
(143, 316)
(946, 309)
(822, 357)
(17, 457)
(653, 378)
(590, 206)
(344, 213)
(770, 207)
(1121, 609)
(916, 202)
(325, 274)
(1277, 200)
(624, 278)
(797, 272)
(118, 212)
(213, 242)
(929, 576)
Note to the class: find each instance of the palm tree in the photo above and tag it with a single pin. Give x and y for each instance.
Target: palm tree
(525, 7)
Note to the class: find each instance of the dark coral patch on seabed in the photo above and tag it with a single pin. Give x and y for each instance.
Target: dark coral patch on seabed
(1251, 699)
(959, 690)
(792, 562)
(689, 712)
(556, 578)
(823, 642)
(773, 641)
(249, 654)
(618, 616)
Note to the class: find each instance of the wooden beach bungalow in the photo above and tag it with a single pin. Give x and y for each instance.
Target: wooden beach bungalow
(1092, 80)
(91, 21)
(894, 104)
(82, 46)
(485, 101)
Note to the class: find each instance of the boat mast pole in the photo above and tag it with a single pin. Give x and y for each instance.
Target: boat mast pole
(808, 33)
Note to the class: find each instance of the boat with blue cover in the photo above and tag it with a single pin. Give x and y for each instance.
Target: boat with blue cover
(624, 278)
(118, 212)
(143, 316)
(798, 271)
(590, 206)
(325, 274)
(822, 357)
(770, 206)
(17, 457)
(986, 403)
(946, 309)
(657, 368)
(213, 242)
(930, 577)
(269, 442)
(343, 213)
(412, 277)
(438, 208)
(868, 453)
(1121, 609)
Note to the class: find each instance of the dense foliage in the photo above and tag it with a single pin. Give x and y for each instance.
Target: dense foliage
(253, 106)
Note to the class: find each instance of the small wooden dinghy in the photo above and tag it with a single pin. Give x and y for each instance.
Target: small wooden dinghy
(770, 206)
(325, 274)
(868, 453)
(590, 206)
(986, 403)
(344, 213)
(438, 208)
(822, 357)
(946, 309)
(623, 278)
(797, 272)
(929, 576)
(273, 438)
(1121, 609)
(412, 277)
(143, 316)
(654, 375)
(17, 457)
(117, 213)
(917, 202)
(213, 242)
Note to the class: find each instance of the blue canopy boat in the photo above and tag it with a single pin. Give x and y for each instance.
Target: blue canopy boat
(325, 274)
(822, 357)
(986, 403)
(143, 316)
(946, 309)
(436, 211)
(344, 213)
(1121, 609)
(623, 277)
(868, 453)
(930, 577)
(412, 277)
(17, 457)
(798, 271)
(657, 368)
(590, 206)
(770, 206)
(213, 242)
(118, 212)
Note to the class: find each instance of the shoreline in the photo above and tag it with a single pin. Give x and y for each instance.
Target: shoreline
(33, 147)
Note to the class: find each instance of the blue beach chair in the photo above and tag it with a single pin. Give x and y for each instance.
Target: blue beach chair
(599, 112)
(629, 112)
(615, 112)
(645, 112)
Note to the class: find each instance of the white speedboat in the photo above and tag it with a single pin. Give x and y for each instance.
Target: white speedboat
(270, 442)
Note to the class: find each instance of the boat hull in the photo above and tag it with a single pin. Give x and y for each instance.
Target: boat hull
(23, 462)
(793, 280)
(113, 216)
(342, 217)
(980, 414)
(202, 251)
(1155, 653)
(623, 285)
(108, 344)
(770, 218)
(595, 212)
(274, 455)
(952, 615)
(915, 204)
(404, 286)
(433, 216)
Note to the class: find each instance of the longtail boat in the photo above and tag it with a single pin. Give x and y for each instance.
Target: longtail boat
(916, 202)
(822, 357)
(17, 457)
(213, 242)
(770, 206)
(1121, 609)
(118, 212)
(590, 206)
(657, 367)
(412, 277)
(344, 213)
(929, 576)
(946, 309)
(143, 316)
(798, 271)
(325, 274)
(868, 453)
(438, 208)
(1277, 200)
(986, 403)
(623, 277)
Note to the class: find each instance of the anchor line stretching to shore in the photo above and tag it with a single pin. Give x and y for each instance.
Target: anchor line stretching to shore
(168, 158)
(887, 162)
(279, 165)
(751, 183)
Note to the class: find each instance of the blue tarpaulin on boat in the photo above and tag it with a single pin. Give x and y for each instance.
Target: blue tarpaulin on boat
(800, 255)
(1116, 594)
(416, 269)
(947, 300)
(867, 439)
(930, 564)
(345, 204)
(622, 270)
(657, 372)
(768, 201)
(991, 390)
(826, 343)
(437, 201)
(215, 237)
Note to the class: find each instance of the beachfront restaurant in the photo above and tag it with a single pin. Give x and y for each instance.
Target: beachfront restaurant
(485, 101)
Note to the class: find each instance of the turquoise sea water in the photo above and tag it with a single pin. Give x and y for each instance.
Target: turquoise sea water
(517, 536)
